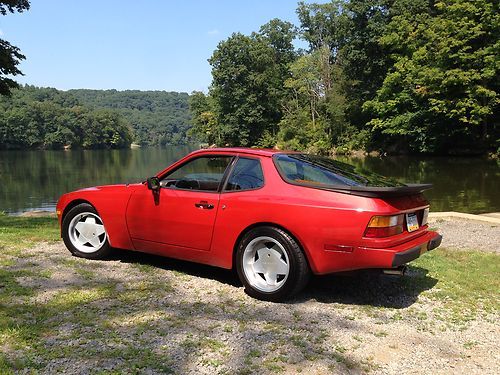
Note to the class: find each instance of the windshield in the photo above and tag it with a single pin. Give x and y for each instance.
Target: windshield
(313, 170)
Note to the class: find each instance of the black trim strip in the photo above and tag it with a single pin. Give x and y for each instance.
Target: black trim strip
(413, 253)
(435, 242)
(227, 173)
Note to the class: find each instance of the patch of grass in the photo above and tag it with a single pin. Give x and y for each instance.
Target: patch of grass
(380, 334)
(273, 364)
(470, 344)
(85, 273)
(46, 274)
(299, 341)
(17, 233)
(80, 296)
(145, 268)
(254, 353)
(212, 344)
(467, 281)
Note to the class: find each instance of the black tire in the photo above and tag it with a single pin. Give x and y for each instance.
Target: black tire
(298, 271)
(84, 208)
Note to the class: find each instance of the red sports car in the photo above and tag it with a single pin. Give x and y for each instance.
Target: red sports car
(274, 216)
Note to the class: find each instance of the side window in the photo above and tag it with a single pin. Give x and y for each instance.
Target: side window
(204, 173)
(246, 174)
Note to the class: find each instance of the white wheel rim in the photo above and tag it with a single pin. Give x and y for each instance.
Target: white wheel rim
(265, 264)
(86, 232)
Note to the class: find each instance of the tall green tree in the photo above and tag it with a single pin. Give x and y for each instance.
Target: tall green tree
(10, 56)
(248, 84)
(323, 25)
(205, 126)
(314, 114)
(351, 30)
(441, 94)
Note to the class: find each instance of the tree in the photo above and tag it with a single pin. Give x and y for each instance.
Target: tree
(205, 125)
(244, 87)
(441, 94)
(314, 113)
(10, 56)
(323, 25)
(350, 30)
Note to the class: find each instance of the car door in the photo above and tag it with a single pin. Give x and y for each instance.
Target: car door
(182, 213)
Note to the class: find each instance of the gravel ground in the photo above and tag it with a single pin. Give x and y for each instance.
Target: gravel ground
(138, 313)
(468, 234)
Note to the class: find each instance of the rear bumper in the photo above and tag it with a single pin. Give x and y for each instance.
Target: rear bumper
(368, 257)
(413, 253)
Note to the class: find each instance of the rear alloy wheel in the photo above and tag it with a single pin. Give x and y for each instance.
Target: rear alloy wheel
(84, 234)
(271, 264)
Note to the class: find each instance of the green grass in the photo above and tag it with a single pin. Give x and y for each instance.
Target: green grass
(17, 233)
(467, 282)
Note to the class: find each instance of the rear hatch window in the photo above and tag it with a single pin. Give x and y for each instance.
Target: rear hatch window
(319, 170)
(325, 173)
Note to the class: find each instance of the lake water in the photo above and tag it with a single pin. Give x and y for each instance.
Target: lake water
(33, 180)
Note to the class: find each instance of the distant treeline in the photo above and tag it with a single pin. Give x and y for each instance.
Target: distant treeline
(157, 117)
(395, 76)
(47, 118)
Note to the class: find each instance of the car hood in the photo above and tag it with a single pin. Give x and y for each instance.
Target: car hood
(109, 187)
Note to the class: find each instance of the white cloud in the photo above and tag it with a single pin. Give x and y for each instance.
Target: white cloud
(213, 32)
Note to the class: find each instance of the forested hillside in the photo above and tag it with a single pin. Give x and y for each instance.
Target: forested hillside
(35, 117)
(157, 117)
(47, 118)
(397, 76)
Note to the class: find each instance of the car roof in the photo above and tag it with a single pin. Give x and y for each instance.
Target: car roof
(268, 152)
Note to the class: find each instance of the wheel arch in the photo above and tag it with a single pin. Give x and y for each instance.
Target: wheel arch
(266, 224)
(72, 204)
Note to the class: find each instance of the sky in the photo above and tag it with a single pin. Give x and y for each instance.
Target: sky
(143, 45)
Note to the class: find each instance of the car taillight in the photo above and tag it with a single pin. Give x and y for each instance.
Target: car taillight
(384, 226)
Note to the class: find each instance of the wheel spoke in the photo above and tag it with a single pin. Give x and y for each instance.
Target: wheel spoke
(94, 241)
(271, 278)
(281, 267)
(258, 267)
(90, 220)
(99, 229)
(82, 239)
(80, 227)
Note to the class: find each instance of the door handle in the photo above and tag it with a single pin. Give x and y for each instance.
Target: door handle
(204, 204)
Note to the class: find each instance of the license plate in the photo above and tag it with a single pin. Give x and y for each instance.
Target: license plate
(411, 222)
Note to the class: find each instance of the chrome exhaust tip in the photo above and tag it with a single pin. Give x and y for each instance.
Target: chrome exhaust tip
(398, 271)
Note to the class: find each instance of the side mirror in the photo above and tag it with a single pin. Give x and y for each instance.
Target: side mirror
(153, 183)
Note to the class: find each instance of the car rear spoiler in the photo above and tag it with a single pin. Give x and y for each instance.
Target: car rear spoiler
(376, 192)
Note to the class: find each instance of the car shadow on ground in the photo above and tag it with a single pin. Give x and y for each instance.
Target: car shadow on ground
(194, 269)
(369, 288)
(357, 288)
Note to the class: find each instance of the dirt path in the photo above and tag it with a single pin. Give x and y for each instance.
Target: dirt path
(145, 314)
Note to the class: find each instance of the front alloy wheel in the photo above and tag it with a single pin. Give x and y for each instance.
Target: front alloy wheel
(84, 234)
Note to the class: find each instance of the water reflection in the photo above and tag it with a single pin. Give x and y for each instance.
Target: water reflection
(460, 184)
(35, 179)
